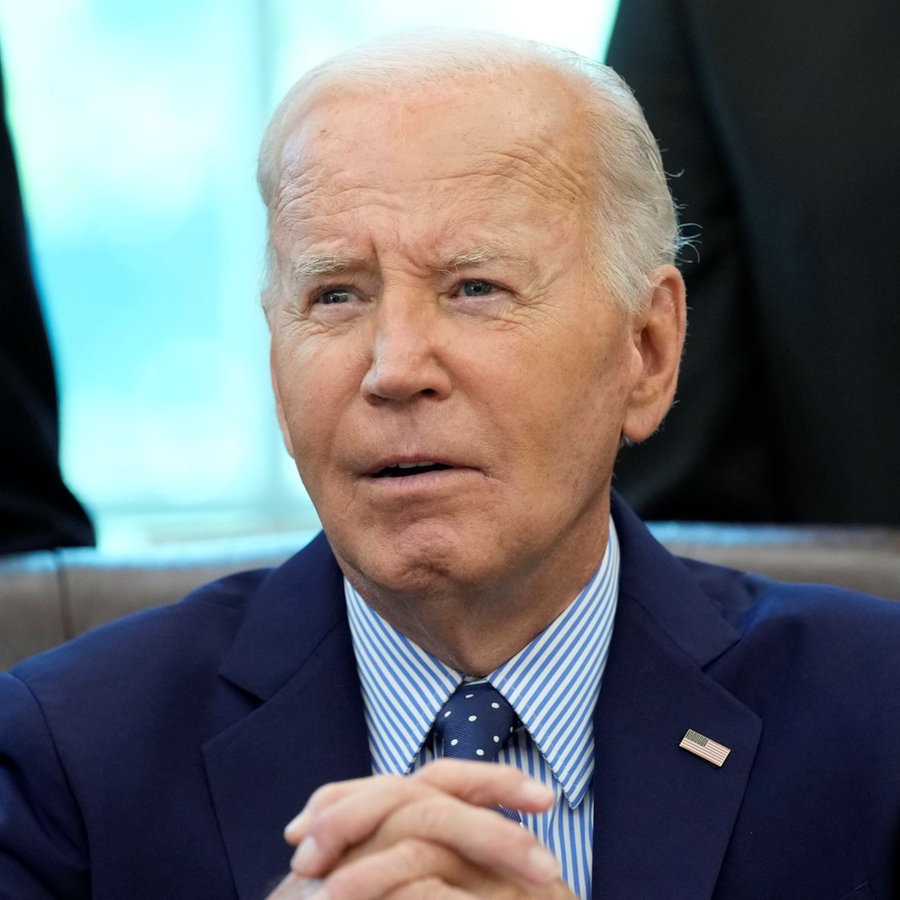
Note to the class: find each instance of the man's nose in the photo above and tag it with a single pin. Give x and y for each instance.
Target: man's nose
(407, 350)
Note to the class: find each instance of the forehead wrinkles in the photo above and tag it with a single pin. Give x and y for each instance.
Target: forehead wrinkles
(298, 183)
(521, 178)
(529, 156)
(551, 175)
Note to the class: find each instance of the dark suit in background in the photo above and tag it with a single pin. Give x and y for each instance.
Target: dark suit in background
(783, 117)
(37, 511)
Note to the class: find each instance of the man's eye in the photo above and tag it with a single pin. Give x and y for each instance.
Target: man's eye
(477, 288)
(332, 296)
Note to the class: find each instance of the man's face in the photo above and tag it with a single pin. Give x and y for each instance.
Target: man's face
(451, 380)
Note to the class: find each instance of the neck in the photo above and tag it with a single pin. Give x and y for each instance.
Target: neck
(476, 628)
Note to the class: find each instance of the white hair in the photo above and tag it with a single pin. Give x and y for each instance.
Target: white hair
(635, 227)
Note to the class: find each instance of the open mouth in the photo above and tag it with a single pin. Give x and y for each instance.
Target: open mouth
(404, 470)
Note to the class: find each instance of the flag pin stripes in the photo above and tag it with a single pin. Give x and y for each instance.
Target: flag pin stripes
(702, 746)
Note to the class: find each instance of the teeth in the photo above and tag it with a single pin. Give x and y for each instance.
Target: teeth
(399, 469)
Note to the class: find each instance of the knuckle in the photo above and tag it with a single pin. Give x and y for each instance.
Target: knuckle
(427, 817)
(400, 784)
(438, 770)
(323, 796)
(412, 856)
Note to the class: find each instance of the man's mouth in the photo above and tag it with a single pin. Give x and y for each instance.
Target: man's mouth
(405, 469)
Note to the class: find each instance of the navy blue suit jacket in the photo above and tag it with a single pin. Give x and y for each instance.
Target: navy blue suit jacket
(162, 755)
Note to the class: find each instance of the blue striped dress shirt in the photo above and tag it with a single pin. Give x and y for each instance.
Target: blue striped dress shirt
(552, 684)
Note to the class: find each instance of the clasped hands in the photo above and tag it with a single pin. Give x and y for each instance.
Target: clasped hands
(433, 834)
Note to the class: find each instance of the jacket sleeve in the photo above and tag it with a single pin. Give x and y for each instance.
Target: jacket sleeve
(43, 847)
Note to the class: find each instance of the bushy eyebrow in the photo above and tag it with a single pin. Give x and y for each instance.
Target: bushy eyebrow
(472, 258)
(487, 254)
(318, 265)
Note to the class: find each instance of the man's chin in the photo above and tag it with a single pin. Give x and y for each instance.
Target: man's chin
(410, 566)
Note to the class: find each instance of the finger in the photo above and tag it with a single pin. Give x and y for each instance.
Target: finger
(487, 784)
(477, 835)
(405, 865)
(320, 799)
(432, 888)
(341, 819)
(339, 816)
(414, 868)
(293, 888)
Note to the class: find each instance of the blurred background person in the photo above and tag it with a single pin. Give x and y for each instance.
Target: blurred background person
(37, 510)
(780, 123)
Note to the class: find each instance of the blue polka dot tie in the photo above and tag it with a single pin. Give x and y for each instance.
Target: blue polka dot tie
(475, 722)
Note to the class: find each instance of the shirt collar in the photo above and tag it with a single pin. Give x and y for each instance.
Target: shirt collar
(552, 683)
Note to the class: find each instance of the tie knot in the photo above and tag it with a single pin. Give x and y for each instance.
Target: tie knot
(475, 722)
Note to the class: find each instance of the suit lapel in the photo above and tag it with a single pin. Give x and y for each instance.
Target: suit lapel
(294, 657)
(664, 817)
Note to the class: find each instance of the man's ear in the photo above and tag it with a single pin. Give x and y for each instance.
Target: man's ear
(279, 408)
(658, 335)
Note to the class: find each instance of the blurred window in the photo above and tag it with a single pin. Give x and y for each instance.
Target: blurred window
(136, 127)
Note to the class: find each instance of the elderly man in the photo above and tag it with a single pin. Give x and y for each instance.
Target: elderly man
(472, 303)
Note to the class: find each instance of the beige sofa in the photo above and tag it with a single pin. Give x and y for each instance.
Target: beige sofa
(49, 597)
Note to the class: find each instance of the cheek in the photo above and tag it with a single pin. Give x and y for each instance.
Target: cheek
(584, 374)
(305, 382)
(579, 404)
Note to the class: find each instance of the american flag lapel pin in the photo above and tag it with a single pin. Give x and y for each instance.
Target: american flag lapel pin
(702, 746)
